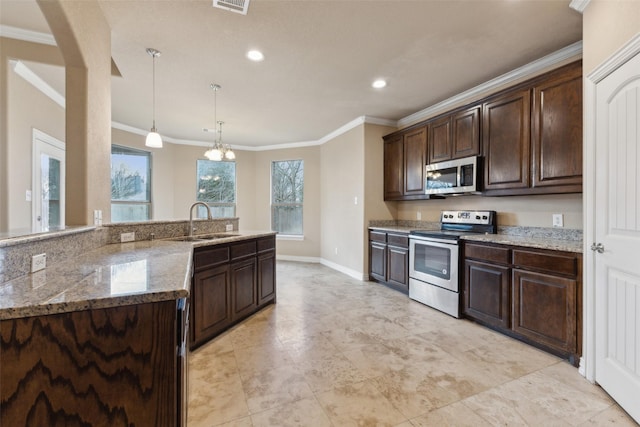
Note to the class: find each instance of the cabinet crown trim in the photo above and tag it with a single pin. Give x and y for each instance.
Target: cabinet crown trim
(526, 71)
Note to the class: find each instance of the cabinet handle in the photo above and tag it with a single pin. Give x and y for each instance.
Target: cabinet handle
(597, 247)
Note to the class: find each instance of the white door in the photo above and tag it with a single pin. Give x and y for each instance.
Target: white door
(48, 183)
(617, 230)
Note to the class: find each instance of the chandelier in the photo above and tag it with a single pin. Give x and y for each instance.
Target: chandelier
(218, 150)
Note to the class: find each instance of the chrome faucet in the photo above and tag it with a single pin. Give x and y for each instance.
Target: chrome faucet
(191, 215)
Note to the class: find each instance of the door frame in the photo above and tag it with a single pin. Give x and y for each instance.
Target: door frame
(624, 54)
(39, 137)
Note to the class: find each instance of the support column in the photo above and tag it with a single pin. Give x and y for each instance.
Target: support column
(84, 38)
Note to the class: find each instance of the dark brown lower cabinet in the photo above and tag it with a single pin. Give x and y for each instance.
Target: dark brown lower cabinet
(486, 295)
(231, 282)
(211, 302)
(544, 308)
(245, 291)
(104, 367)
(389, 259)
(530, 294)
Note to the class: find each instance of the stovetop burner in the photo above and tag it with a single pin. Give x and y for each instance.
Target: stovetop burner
(455, 224)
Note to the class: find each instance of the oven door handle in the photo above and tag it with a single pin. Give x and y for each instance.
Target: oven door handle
(442, 243)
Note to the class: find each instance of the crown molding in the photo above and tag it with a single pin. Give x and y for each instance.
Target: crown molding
(27, 35)
(579, 5)
(27, 74)
(537, 66)
(630, 49)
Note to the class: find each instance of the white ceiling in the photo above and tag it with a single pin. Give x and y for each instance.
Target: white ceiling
(320, 59)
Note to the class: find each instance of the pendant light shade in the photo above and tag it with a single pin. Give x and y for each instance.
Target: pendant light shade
(154, 139)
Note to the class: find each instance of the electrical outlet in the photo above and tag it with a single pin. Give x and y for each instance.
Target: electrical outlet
(418, 216)
(229, 227)
(38, 262)
(558, 220)
(336, 251)
(127, 237)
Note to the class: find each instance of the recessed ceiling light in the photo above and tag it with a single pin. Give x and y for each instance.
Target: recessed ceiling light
(255, 55)
(379, 84)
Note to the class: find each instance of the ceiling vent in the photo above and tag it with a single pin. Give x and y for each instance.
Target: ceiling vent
(238, 6)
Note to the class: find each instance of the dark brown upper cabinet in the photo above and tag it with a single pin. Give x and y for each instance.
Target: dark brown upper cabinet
(556, 131)
(530, 137)
(405, 158)
(415, 160)
(506, 141)
(455, 136)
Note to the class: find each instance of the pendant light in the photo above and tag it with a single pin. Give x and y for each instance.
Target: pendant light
(218, 150)
(153, 138)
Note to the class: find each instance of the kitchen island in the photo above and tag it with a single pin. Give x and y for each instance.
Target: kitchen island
(101, 338)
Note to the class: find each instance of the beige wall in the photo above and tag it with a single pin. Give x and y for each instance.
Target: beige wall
(607, 26)
(28, 109)
(260, 192)
(530, 211)
(11, 49)
(342, 222)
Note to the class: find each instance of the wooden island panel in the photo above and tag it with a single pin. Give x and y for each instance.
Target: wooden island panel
(102, 367)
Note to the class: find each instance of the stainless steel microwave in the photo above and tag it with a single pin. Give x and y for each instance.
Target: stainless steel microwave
(453, 177)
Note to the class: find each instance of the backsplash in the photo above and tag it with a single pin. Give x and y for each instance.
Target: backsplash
(167, 229)
(15, 254)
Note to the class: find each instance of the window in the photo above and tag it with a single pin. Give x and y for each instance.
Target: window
(217, 188)
(287, 189)
(130, 184)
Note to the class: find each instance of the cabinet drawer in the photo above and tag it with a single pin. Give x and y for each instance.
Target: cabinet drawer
(211, 256)
(378, 236)
(240, 250)
(401, 240)
(548, 262)
(487, 253)
(266, 244)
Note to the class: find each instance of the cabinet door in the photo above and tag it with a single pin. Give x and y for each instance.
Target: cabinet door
(266, 277)
(244, 285)
(557, 131)
(466, 133)
(506, 141)
(398, 266)
(544, 309)
(440, 140)
(378, 261)
(486, 293)
(393, 168)
(415, 160)
(210, 302)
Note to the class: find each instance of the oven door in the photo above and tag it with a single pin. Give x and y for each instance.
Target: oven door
(434, 261)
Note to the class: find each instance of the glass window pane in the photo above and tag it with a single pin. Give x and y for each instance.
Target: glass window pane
(287, 219)
(287, 180)
(217, 188)
(130, 175)
(287, 194)
(131, 183)
(124, 212)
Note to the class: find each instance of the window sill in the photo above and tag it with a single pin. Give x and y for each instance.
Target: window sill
(289, 237)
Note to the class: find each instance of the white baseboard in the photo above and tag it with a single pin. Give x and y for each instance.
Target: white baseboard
(342, 269)
(313, 259)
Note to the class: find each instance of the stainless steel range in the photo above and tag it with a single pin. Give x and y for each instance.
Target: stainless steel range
(434, 258)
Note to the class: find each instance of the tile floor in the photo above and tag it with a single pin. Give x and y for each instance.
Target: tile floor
(335, 351)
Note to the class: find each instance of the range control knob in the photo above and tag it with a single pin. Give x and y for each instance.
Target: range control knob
(477, 216)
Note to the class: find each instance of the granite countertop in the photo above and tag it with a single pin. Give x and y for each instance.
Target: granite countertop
(110, 276)
(528, 241)
(515, 236)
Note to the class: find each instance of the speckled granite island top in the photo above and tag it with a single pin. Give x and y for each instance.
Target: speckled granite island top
(110, 276)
